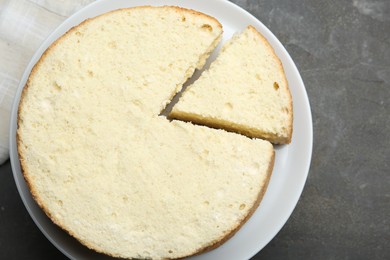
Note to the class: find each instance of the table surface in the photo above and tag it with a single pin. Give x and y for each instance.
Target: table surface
(342, 49)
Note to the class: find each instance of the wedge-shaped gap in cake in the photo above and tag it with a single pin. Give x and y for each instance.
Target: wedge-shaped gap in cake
(195, 76)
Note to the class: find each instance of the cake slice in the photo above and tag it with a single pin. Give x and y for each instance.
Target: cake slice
(245, 90)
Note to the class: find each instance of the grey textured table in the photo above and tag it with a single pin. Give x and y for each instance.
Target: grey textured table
(342, 49)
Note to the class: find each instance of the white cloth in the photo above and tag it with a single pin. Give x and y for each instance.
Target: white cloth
(24, 24)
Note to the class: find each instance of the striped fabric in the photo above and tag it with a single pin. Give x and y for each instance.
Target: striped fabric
(24, 24)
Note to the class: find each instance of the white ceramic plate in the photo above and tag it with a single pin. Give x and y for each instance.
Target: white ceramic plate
(292, 161)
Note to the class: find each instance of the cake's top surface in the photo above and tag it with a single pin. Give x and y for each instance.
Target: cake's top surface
(101, 162)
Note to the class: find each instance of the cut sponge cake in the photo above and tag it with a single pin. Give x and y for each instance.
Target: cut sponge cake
(106, 168)
(245, 90)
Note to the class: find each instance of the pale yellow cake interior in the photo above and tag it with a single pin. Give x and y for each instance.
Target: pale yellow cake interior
(101, 162)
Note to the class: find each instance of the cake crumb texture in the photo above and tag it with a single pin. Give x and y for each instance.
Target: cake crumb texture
(104, 165)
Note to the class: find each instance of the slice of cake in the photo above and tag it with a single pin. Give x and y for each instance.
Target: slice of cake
(245, 90)
(106, 168)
